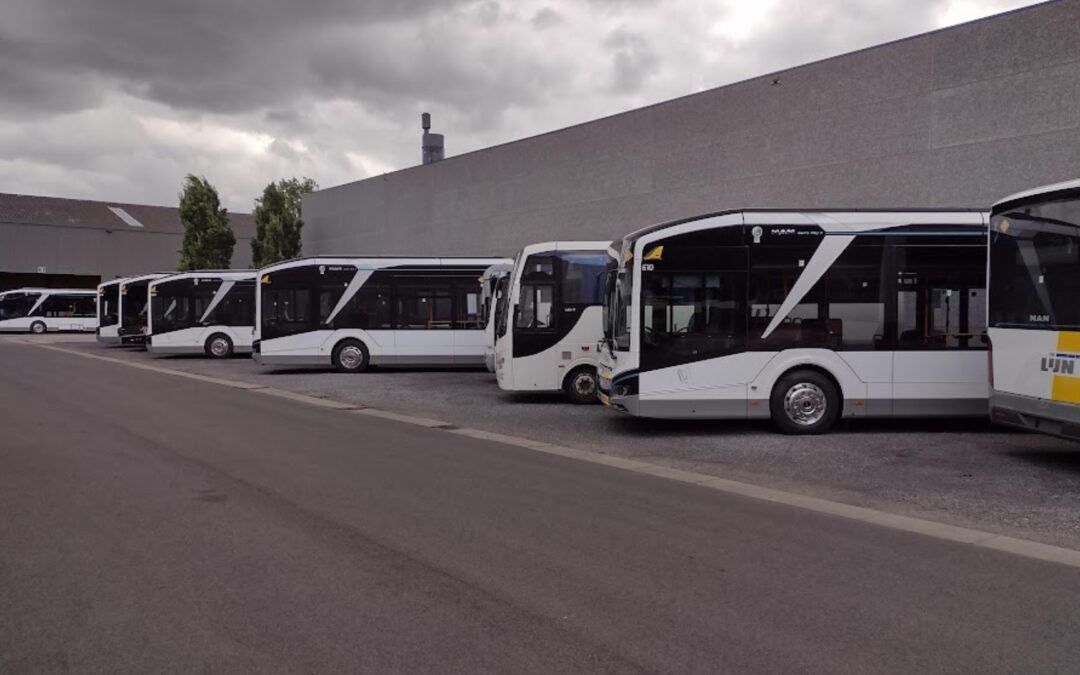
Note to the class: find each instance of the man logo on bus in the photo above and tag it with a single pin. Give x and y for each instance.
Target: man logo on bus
(1061, 364)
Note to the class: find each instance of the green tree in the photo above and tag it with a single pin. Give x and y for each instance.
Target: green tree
(208, 238)
(279, 220)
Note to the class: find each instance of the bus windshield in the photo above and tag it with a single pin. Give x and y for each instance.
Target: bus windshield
(109, 299)
(1035, 266)
(17, 305)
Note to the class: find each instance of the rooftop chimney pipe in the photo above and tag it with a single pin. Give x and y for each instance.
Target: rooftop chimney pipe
(432, 144)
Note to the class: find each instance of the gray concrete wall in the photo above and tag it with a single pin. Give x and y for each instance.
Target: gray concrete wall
(94, 251)
(959, 117)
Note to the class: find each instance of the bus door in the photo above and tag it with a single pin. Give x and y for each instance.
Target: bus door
(940, 328)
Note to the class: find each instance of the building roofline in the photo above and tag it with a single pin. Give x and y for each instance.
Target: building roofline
(736, 83)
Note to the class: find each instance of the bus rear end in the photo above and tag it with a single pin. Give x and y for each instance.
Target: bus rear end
(1034, 285)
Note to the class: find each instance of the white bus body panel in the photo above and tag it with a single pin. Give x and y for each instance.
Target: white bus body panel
(193, 340)
(545, 371)
(109, 334)
(385, 347)
(52, 324)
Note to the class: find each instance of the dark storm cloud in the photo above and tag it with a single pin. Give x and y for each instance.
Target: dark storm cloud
(217, 55)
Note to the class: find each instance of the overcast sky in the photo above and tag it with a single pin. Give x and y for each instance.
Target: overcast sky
(118, 99)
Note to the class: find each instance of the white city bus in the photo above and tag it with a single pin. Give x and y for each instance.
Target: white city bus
(202, 312)
(546, 340)
(108, 311)
(40, 310)
(493, 285)
(799, 316)
(134, 305)
(356, 312)
(1035, 309)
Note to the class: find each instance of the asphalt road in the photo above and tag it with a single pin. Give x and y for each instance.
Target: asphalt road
(961, 471)
(150, 523)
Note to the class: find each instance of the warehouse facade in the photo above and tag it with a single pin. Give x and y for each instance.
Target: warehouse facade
(958, 117)
(77, 243)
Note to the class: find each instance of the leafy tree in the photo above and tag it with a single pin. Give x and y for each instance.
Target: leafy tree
(279, 220)
(208, 238)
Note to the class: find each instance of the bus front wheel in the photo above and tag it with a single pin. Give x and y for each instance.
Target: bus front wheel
(219, 346)
(805, 402)
(37, 328)
(350, 356)
(581, 385)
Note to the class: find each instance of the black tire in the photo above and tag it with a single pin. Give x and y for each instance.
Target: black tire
(581, 385)
(38, 328)
(351, 356)
(219, 346)
(805, 402)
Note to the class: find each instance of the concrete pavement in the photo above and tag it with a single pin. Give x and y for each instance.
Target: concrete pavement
(154, 524)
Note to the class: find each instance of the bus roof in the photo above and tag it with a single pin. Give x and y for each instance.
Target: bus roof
(793, 212)
(1042, 191)
(223, 274)
(386, 261)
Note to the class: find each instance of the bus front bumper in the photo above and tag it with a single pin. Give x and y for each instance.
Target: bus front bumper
(1035, 414)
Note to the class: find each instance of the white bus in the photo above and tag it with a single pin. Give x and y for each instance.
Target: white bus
(108, 311)
(356, 312)
(493, 284)
(202, 312)
(40, 310)
(799, 316)
(1035, 310)
(546, 340)
(133, 306)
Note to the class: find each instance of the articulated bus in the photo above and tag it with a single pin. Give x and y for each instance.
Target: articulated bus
(202, 312)
(39, 310)
(108, 311)
(547, 340)
(799, 316)
(493, 284)
(356, 312)
(133, 309)
(1035, 310)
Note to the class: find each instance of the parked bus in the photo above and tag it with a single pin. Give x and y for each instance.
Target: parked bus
(40, 310)
(203, 312)
(493, 284)
(1035, 309)
(548, 341)
(108, 312)
(356, 312)
(133, 306)
(799, 316)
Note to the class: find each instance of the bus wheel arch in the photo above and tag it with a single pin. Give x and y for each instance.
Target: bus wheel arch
(582, 384)
(805, 400)
(219, 346)
(38, 328)
(350, 355)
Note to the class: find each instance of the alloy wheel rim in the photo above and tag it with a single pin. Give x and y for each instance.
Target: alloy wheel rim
(805, 404)
(584, 385)
(351, 357)
(219, 347)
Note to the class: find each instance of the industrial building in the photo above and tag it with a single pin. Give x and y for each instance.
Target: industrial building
(958, 117)
(76, 243)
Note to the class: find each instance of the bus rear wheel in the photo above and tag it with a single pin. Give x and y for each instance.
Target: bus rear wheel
(581, 385)
(350, 356)
(219, 346)
(38, 327)
(805, 402)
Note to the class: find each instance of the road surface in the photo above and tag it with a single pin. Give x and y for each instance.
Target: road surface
(150, 523)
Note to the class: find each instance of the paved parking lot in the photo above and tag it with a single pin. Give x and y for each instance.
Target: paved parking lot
(961, 472)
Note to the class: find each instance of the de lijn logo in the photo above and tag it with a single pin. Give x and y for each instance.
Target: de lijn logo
(1060, 364)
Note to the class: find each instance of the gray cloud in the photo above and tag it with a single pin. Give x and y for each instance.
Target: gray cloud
(118, 99)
